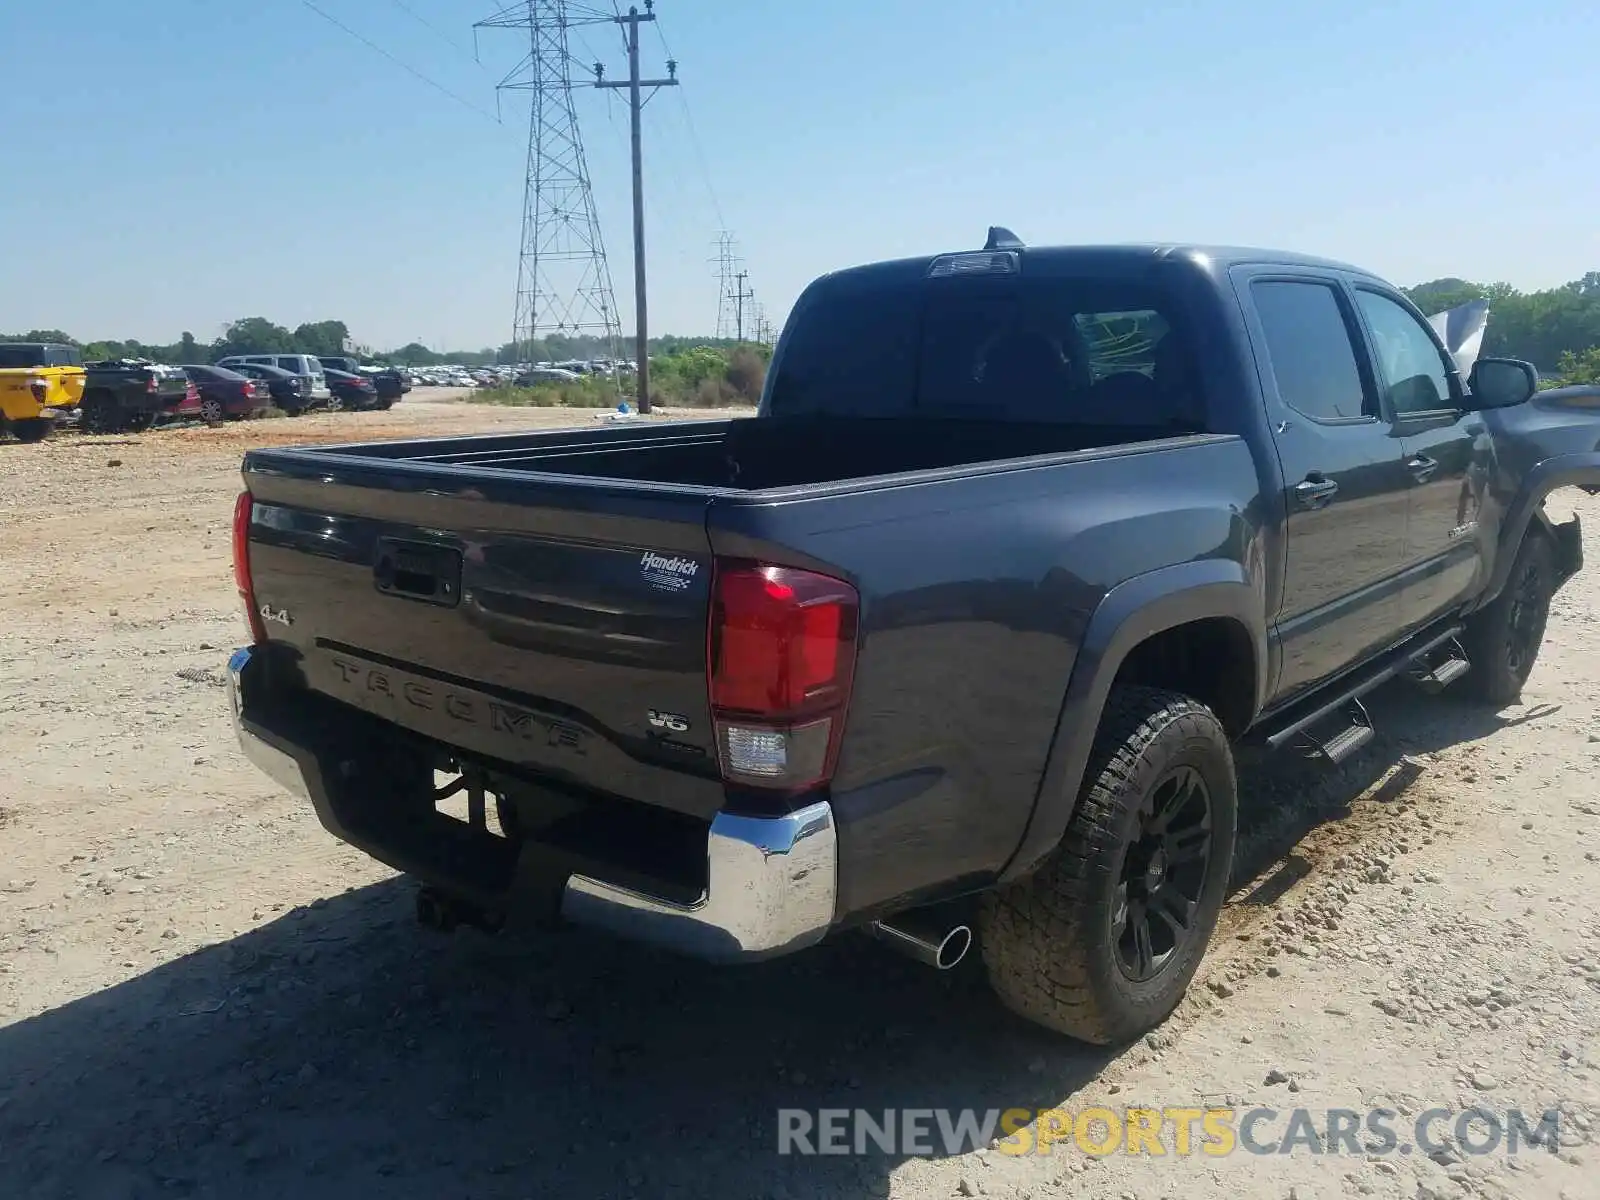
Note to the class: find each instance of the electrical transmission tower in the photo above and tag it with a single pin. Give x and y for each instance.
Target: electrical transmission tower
(734, 312)
(727, 268)
(563, 277)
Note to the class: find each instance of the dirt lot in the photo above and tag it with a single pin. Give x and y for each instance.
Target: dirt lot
(203, 994)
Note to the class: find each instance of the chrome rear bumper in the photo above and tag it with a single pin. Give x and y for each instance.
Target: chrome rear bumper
(772, 882)
(276, 764)
(772, 887)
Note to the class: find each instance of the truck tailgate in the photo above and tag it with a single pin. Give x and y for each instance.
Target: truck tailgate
(555, 625)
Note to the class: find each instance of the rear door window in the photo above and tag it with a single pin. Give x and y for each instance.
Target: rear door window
(1311, 348)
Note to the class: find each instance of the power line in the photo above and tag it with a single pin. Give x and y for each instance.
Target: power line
(439, 33)
(406, 67)
(694, 137)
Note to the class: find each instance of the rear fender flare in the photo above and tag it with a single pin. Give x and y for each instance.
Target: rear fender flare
(1562, 470)
(1130, 613)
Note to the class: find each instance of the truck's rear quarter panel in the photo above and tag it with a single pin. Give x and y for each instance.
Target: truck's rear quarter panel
(976, 589)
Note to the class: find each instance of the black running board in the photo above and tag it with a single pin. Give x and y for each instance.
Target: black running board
(1434, 675)
(1354, 731)
(1280, 729)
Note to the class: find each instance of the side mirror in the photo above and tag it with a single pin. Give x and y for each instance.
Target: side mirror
(1502, 383)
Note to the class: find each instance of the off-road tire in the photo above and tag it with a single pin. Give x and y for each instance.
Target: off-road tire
(31, 429)
(1503, 638)
(1049, 941)
(100, 414)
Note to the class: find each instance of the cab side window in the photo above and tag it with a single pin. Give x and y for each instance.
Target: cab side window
(1309, 346)
(1411, 366)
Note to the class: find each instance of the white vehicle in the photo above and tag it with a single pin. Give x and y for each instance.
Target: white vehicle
(307, 366)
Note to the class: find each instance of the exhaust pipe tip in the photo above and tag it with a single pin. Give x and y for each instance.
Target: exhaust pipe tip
(941, 951)
(954, 947)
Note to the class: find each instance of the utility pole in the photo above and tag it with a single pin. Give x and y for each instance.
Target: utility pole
(636, 102)
(742, 292)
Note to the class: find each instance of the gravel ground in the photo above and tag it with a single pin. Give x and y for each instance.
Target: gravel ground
(203, 994)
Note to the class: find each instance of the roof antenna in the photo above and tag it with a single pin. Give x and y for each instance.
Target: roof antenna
(1001, 238)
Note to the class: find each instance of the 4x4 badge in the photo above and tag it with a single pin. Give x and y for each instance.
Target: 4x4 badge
(279, 616)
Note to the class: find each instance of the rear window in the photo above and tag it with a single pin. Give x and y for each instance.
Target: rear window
(30, 355)
(1069, 350)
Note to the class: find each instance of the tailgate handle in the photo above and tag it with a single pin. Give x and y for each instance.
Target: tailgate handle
(418, 571)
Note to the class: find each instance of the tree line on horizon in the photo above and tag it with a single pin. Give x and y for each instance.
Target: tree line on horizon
(1557, 329)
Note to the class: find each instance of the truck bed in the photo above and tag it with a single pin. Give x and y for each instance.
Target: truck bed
(757, 455)
(538, 605)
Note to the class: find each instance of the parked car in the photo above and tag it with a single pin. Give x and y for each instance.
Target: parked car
(285, 389)
(547, 375)
(352, 391)
(310, 370)
(132, 394)
(392, 385)
(41, 383)
(964, 625)
(225, 393)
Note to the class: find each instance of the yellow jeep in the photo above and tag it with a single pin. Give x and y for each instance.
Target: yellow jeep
(40, 382)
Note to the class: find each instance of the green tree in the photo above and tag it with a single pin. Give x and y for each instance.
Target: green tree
(253, 335)
(415, 354)
(1578, 368)
(326, 338)
(44, 335)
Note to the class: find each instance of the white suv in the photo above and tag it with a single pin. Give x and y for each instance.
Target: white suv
(315, 383)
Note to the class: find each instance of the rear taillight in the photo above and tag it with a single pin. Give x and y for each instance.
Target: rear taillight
(151, 385)
(249, 391)
(781, 652)
(243, 510)
(191, 394)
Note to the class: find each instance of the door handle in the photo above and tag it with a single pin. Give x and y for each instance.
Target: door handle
(1314, 491)
(1422, 467)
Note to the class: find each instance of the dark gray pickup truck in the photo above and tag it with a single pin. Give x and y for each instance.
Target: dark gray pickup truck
(967, 619)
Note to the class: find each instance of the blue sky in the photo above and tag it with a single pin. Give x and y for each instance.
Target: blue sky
(173, 164)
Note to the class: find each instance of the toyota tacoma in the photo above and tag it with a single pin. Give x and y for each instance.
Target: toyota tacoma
(971, 617)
